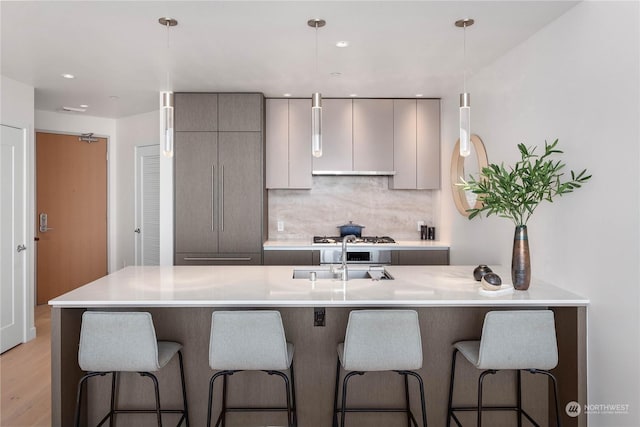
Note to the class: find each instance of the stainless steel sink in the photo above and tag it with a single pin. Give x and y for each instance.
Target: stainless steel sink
(323, 273)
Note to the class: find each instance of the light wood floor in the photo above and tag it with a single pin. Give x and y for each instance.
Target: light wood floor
(25, 378)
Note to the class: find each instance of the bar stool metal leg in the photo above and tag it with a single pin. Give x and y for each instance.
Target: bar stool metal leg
(480, 383)
(335, 395)
(555, 392)
(344, 394)
(157, 393)
(422, 397)
(114, 382)
(293, 397)
(519, 396)
(79, 395)
(450, 413)
(184, 391)
(406, 398)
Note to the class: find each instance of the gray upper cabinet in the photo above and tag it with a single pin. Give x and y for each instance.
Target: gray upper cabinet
(416, 150)
(219, 182)
(373, 135)
(240, 112)
(196, 112)
(300, 143)
(288, 140)
(404, 144)
(277, 141)
(337, 133)
(428, 144)
(397, 137)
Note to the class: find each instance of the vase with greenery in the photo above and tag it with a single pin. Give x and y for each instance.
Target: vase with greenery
(515, 192)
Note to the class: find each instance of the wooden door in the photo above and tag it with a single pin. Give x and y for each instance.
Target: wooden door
(13, 245)
(240, 160)
(71, 190)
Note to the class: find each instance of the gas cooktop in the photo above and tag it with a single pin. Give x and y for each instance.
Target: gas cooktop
(361, 240)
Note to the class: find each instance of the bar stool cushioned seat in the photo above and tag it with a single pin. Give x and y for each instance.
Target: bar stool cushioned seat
(380, 340)
(113, 342)
(250, 341)
(511, 340)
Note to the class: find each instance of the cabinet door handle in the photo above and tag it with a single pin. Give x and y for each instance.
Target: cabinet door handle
(222, 200)
(217, 258)
(213, 170)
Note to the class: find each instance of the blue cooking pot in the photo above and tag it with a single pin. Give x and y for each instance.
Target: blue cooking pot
(351, 228)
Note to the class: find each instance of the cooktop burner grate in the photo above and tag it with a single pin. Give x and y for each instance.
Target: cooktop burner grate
(363, 239)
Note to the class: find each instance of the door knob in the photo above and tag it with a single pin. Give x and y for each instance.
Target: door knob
(137, 230)
(21, 248)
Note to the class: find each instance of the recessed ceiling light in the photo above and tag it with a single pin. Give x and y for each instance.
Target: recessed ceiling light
(336, 73)
(84, 106)
(419, 95)
(286, 94)
(342, 43)
(353, 94)
(68, 76)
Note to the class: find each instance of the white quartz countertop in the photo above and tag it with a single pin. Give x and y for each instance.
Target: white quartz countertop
(293, 245)
(274, 286)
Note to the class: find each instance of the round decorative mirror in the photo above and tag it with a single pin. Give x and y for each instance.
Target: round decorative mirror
(462, 167)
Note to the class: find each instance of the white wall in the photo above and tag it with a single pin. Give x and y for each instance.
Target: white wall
(16, 109)
(577, 80)
(72, 123)
(141, 129)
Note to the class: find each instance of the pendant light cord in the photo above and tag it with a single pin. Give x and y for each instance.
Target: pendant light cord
(464, 57)
(317, 79)
(167, 25)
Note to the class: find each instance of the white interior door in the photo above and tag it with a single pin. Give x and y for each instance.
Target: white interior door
(13, 240)
(147, 205)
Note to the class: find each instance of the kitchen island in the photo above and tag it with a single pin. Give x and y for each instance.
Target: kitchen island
(182, 298)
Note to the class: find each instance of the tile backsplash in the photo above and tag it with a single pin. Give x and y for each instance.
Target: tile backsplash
(336, 200)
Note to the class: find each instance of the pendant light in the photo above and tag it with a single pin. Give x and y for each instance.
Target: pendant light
(316, 101)
(465, 97)
(166, 101)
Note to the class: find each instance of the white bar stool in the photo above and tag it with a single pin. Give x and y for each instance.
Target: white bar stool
(114, 342)
(380, 340)
(513, 340)
(250, 341)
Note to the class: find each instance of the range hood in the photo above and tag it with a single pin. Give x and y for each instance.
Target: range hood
(353, 173)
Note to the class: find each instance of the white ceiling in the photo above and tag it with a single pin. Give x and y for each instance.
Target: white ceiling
(118, 48)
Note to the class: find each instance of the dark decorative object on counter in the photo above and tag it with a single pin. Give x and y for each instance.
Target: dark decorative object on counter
(520, 262)
(424, 232)
(491, 282)
(515, 192)
(480, 271)
(431, 233)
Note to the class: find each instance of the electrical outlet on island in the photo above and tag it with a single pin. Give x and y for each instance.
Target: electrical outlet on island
(280, 225)
(420, 224)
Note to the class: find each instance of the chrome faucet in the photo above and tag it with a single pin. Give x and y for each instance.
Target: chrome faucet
(343, 271)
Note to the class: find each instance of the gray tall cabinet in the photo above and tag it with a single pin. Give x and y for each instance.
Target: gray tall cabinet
(220, 197)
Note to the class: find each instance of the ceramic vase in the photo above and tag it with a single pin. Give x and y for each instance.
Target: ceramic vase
(520, 261)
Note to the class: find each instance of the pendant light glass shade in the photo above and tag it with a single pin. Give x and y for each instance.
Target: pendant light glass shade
(316, 125)
(465, 125)
(166, 123)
